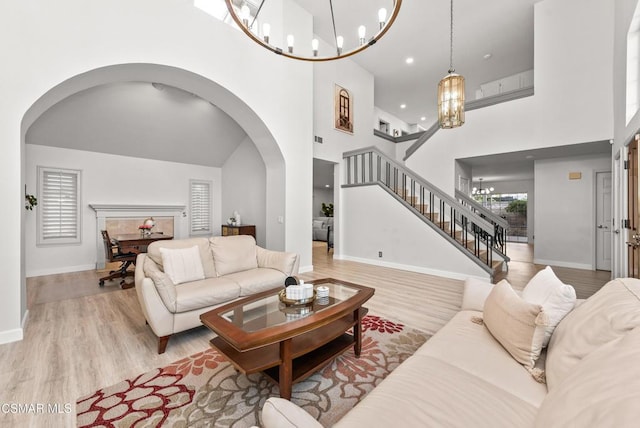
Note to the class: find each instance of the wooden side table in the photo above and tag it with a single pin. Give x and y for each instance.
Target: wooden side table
(243, 229)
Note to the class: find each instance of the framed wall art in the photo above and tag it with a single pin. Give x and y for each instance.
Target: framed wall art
(343, 105)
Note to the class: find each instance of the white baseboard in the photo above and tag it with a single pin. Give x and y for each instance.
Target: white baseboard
(53, 271)
(411, 268)
(9, 336)
(305, 269)
(563, 264)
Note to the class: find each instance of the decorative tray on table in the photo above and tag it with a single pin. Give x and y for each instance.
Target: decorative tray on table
(282, 295)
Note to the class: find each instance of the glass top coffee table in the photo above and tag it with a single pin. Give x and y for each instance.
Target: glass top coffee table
(288, 343)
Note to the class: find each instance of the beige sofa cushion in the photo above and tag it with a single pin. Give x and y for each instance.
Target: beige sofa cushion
(182, 264)
(519, 326)
(556, 298)
(281, 413)
(233, 253)
(429, 392)
(470, 347)
(610, 313)
(257, 280)
(153, 251)
(162, 282)
(279, 260)
(205, 293)
(602, 390)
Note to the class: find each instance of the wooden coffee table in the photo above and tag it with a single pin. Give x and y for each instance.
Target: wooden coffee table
(289, 343)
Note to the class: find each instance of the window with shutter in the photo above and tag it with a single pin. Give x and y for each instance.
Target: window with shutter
(200, 197)
(59, 206)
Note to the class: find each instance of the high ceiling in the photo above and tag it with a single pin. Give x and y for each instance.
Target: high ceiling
(502, 29)
(162, 121)
(140, 119)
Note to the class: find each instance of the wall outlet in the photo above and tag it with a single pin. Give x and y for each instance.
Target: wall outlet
(379, 253)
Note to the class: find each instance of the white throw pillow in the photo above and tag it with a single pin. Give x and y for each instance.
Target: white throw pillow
(516, 324)
(318, 224)
(475, 294)
(557, 298)
(182, 264)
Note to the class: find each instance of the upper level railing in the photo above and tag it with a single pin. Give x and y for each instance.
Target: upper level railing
(469, 106)
(464, 228)
(500, 225)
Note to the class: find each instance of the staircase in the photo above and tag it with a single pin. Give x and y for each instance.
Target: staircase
(473, 233)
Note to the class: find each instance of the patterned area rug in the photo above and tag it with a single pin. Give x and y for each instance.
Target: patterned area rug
(204, 390)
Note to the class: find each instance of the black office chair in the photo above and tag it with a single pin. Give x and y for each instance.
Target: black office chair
(114, 253)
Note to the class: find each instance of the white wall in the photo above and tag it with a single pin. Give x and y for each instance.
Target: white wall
(108, 179)
(351, 76)
(463, 171)
(565, 211)
(393, 121)
(321, 195)
(573, 99)
(624, 10)
(377, 222)
(222, 64)
(243, 188)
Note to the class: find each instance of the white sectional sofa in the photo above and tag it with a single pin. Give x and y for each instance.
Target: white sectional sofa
(463, 377)
(203, 273)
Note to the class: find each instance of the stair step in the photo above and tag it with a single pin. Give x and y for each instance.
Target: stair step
(423, 208)
(436, 216)
(411, 199)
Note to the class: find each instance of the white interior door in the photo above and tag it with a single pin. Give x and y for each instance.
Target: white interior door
(604, 221)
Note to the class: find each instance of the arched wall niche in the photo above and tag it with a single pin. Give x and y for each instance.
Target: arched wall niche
(206, 89)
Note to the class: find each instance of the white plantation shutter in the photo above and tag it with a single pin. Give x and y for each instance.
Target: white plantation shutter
(59, 206)
(200, 197)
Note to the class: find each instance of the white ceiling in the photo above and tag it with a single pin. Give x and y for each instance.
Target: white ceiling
(139, 119)
(502, 28)
(520, 165)
(165, 123)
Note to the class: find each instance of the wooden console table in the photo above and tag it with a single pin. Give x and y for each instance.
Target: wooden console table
(243, 229)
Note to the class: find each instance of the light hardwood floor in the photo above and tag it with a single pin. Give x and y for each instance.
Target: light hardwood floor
(80, 337)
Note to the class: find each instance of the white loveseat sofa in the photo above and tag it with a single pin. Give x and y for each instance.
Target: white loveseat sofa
(463, 377)
(228, 268)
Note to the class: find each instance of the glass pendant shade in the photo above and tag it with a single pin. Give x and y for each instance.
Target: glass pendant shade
(451, 101)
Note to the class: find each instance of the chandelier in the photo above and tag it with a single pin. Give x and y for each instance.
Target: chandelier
(481, 191)
(451, 92)
(253, 18)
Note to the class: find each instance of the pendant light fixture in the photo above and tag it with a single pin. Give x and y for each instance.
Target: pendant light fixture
(451, 93)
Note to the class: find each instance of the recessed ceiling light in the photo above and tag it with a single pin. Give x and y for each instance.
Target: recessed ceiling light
(487, 56)
(327, 185)
(528, 157)
(423, 118)
(403, 105)
(409, 60)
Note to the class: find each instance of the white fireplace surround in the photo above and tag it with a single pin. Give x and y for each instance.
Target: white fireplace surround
(109, 211)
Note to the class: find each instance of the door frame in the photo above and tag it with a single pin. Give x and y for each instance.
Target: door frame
(629, 186)
(619, 266)
(595, 217)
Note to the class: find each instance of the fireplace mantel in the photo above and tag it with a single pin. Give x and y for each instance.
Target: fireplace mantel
(105, 211)
(117, 210)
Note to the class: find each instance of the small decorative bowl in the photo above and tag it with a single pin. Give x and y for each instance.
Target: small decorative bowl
(282, 295)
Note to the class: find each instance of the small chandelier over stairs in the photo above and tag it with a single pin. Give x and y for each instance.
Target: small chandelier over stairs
(480, 190)
(451, 93)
